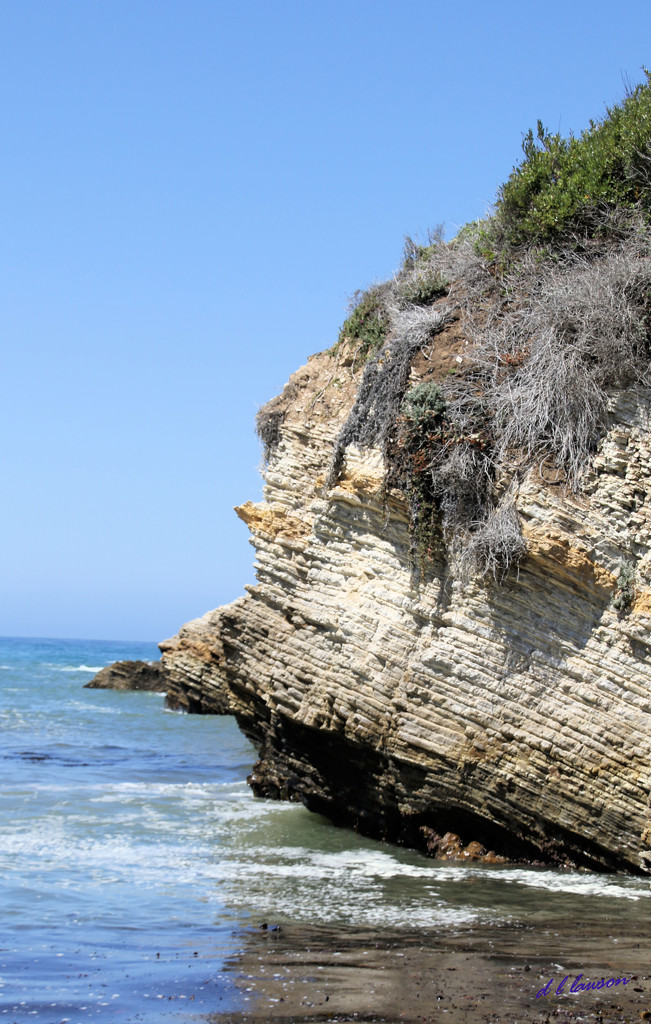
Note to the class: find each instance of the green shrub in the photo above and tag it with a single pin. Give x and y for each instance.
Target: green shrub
(439, 460)
(563, 185)
(624, 587)
(423, 286)
(423, 405)
(419, 426)
(420, 280)
(481, 235)
(367, 325)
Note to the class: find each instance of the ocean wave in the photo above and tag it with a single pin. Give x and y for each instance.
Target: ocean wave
(369, 864)
(147, 791)
(325, 889)
(572, 883)
(133, 854)
(79, 668)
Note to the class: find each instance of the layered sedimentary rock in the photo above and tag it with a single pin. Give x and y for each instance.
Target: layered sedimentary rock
(514, 714)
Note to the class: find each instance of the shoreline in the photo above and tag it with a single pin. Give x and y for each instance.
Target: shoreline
(304, 974)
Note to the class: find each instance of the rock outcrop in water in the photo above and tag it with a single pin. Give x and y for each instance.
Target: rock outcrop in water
(130, 675)
(514, 714)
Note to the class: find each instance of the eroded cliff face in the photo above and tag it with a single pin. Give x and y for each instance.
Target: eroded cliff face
(517, 714)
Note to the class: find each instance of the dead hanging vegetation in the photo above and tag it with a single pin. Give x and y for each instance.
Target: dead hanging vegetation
(548, 342)
(384, 382)
(440, 456)
(496, 544)
(269, 421)
(578, 332)
(268, 424)
(435, 438)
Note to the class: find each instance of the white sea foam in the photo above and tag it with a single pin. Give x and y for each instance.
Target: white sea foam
(368, 864)
(324, 888)
(190, 793)
(103, 860)
(574, 883)
(92, 710)
(347, 867)
(372, 863)
(359, 909)
(78, 668)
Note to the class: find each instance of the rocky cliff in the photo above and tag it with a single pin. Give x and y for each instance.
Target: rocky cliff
(514, 713)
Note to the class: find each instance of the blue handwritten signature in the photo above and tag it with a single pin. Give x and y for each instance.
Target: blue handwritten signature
(579, 986)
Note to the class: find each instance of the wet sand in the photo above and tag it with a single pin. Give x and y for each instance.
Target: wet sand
(298, 974)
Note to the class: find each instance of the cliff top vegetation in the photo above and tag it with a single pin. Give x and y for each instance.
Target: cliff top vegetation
(553, 295)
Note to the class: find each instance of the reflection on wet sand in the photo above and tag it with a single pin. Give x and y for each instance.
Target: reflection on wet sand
(298, 973)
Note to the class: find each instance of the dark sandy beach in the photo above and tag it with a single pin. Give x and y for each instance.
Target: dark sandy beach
(474, 976)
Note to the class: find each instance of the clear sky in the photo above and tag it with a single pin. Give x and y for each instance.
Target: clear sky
(192, 191)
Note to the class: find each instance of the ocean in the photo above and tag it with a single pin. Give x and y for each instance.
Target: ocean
(135, 861)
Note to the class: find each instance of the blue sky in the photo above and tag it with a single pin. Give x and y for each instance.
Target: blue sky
(192, 191)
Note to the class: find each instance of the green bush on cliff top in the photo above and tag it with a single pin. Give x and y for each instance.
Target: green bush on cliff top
(367, 323)
(564, 185)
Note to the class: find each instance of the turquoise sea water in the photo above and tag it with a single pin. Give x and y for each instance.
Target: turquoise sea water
(134, 857)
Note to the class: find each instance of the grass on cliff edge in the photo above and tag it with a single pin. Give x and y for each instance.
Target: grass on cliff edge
(564, 195)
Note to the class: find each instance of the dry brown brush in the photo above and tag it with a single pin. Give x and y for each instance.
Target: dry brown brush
(549, 340)
(581, 332)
